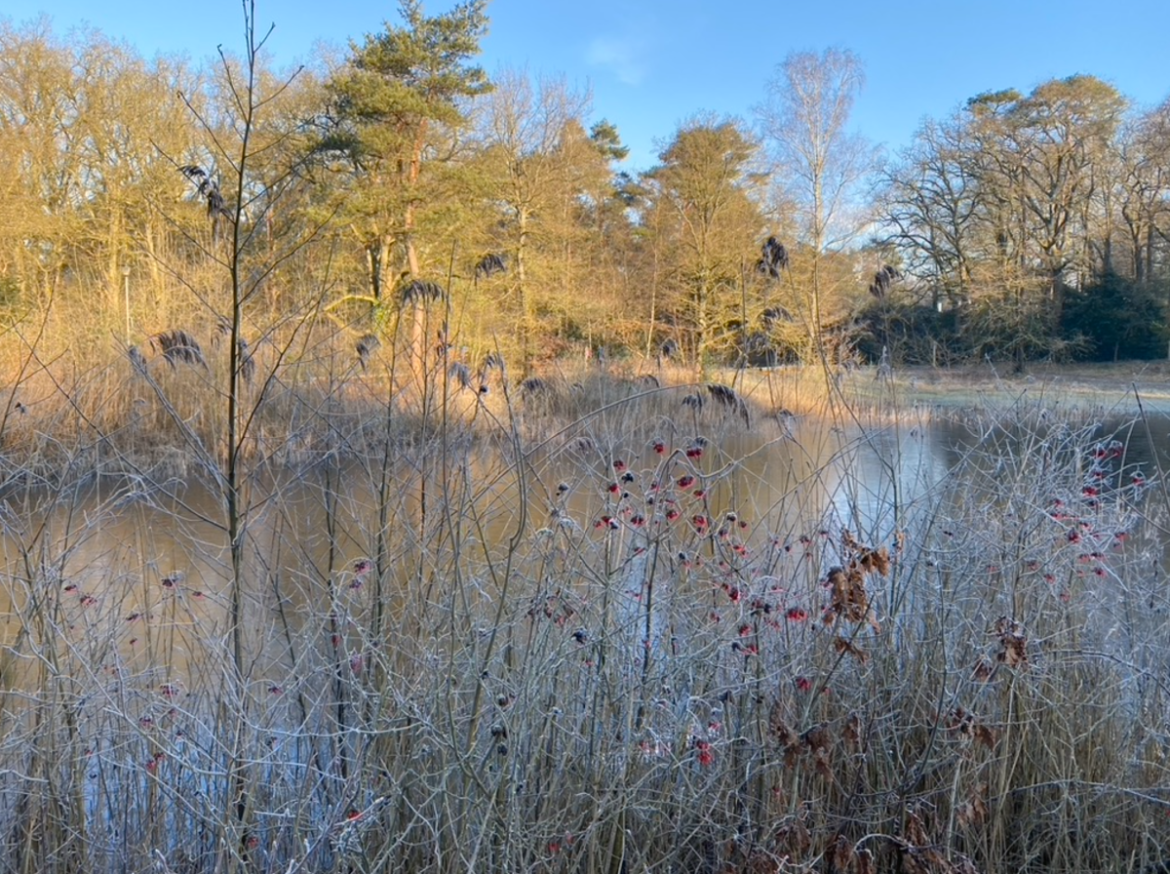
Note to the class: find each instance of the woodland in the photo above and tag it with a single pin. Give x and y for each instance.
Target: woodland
(1026, 225)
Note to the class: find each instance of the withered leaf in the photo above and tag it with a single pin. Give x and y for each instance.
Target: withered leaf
(844, 646)
(1014, 651)
(821, 763)
(986, 735)
(915, 830)
(794, 837)
(778, 727)
(851, 734)
(843, 858)
(983, 672)
(817, 738)
(973, 811)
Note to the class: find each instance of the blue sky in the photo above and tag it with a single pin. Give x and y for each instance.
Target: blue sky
(651, 65)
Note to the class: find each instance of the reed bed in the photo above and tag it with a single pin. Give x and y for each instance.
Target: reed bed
(605, 635)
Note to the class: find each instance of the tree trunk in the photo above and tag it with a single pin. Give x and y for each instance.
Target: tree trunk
(418, 329)
(1149, 271)
(151, 243)
(702, 330)
(1137, 255)
(412, 176)
(377, 254)
(654, 288)
(113, 270)
(526, 316)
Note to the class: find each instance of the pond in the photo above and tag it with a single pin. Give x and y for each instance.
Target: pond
(589, 608)
(123, 560)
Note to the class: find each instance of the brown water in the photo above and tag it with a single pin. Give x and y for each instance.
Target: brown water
(135, 576)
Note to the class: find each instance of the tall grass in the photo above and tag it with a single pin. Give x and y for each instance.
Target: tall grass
(614, 635)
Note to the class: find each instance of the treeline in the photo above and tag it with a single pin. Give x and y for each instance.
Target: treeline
(401, 176)
(1036, 224)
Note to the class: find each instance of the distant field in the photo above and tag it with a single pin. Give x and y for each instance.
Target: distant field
(1108, 385)
(1115, 388)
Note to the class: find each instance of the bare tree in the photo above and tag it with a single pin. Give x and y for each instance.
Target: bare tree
(1143, 159)
(526, 130)
(929, 200)
(818, 163)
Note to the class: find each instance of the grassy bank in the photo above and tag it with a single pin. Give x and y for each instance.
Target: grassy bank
(313, 389)
(1097, 388)
(315, 385)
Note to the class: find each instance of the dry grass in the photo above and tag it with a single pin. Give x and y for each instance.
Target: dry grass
(1088, 387)
(612, 633)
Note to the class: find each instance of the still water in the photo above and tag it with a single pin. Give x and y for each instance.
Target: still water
(131, 576)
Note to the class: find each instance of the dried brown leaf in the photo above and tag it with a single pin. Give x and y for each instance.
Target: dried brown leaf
(851, 733)
(794, 837)
(838, 584)
(984, 671)
(778, 727)
(818, 738)
(961, 722)
(761, 862)
(844, 646)
(1015, 650)
(915, 832)
(821, 763)
(973, 812)
(843, 858)
(986, 735)
(1004, 625)
(912, 863)
(875, 561)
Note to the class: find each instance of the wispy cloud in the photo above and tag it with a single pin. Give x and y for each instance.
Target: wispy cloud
(620, 56)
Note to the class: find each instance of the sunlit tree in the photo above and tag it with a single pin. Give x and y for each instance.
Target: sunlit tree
(818, 161)
(393, 105)
(700, 203)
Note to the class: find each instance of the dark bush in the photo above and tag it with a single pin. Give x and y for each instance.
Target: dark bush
(914, 333)
(1119, 317)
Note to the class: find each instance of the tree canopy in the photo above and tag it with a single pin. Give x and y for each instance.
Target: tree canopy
(1005, 221)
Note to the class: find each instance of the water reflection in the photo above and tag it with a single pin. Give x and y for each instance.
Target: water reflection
(138, 583)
